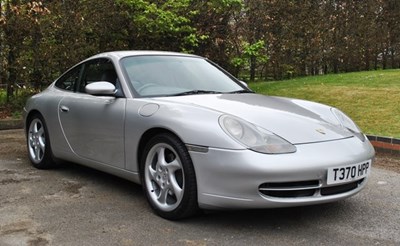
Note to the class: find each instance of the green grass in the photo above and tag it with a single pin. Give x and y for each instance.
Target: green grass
(371, 99)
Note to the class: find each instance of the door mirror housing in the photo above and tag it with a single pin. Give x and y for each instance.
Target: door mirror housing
(101, 88)
(244, 83)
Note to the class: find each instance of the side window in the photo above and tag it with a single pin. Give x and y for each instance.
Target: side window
(69, 80)
(98, 70)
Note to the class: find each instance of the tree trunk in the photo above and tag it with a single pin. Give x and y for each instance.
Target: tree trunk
(335, 66)
(252, 68)
(12, 75)
(37, 75)
(384, 60)
(1, 46)
(392, 59)
(366, 59)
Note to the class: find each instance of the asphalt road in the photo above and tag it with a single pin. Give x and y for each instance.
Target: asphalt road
(74, 205)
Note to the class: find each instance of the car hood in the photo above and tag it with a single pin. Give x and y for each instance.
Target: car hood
(297, 121)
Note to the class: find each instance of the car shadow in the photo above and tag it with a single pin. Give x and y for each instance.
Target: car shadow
(274, 218)
(96, 177)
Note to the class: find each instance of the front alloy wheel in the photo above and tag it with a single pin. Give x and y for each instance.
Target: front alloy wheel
(168, 177)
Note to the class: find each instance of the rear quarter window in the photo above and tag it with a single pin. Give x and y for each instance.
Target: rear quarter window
(69, 80)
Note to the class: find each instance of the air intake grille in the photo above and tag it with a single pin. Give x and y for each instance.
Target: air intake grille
(290, 189)
(333, 190)
(305, 189)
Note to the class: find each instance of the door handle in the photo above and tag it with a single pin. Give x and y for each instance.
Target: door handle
(64, 109)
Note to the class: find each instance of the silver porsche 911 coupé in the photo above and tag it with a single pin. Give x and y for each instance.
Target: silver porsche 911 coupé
(194, 136)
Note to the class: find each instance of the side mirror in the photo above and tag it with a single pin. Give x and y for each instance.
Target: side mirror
(244, 83)
(101, 88)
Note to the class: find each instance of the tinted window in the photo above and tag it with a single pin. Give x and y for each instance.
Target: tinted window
(98, 70)
(69, 80)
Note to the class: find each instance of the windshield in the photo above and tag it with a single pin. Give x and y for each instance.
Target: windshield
(176, 75)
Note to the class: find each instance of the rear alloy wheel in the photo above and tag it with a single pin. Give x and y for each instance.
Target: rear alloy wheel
(39, 150)
(168, 177)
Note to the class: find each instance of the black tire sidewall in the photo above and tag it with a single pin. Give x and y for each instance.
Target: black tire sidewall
(188, 205)
(47, 161)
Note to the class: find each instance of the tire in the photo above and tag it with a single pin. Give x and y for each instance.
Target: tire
(38, 143)
(168, 178)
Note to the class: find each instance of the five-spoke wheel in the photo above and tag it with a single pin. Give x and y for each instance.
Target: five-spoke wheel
(38, 144)
(168, 177)
(36, 141)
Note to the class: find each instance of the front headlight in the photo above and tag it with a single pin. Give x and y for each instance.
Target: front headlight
(253, 137)
(347, 123)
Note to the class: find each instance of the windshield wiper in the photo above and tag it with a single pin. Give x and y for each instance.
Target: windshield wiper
(241, 91)
(196, 92)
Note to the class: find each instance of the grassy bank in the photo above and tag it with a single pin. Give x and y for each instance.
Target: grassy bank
(371, 98)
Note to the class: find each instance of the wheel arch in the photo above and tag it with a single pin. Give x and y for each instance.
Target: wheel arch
(30, 116)
(48, 160)
(147, 136)
(187, 205)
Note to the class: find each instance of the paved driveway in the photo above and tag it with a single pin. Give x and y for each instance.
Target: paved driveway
(74, 205)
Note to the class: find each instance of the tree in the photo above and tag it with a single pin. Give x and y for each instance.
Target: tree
(214, 29)
(161, 25)
(269, 39)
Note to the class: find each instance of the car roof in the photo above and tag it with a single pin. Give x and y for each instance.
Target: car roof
(126, 53)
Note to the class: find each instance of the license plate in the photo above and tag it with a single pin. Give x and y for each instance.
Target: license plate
(343, 174)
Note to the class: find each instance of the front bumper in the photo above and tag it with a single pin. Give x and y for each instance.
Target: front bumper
(232, 178)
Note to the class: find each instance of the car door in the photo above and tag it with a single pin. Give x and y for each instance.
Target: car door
(94, 125)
